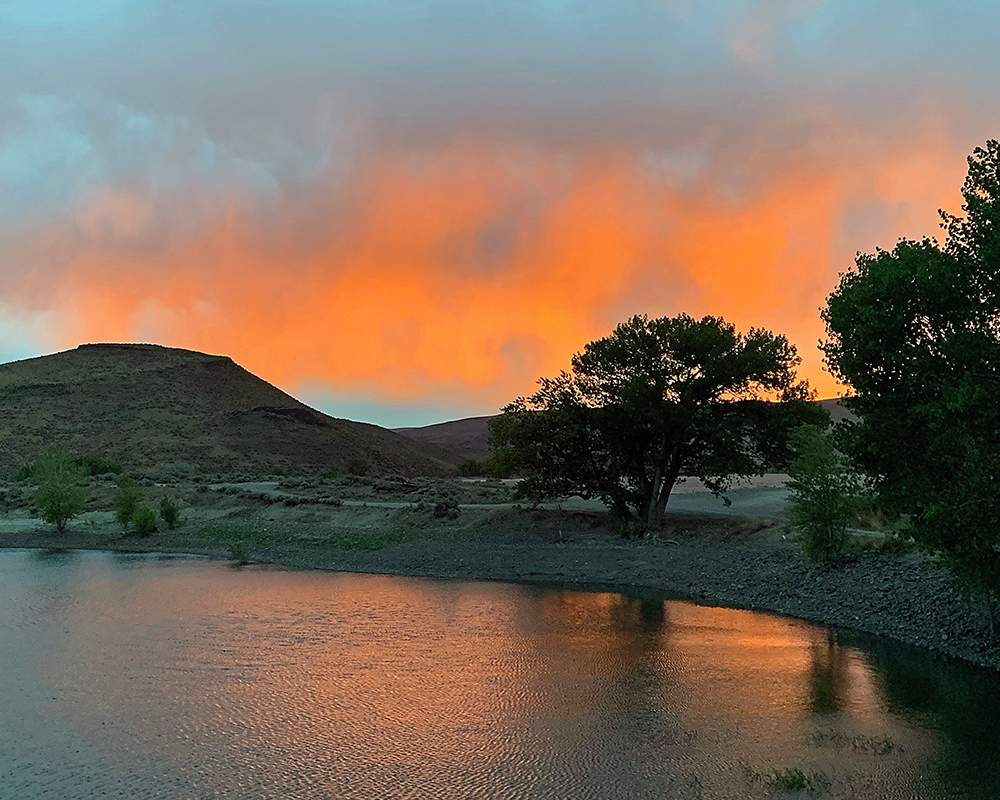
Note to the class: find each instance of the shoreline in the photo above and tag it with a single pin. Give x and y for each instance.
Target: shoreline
(736, 563)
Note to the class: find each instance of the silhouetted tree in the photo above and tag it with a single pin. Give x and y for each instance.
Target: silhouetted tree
(655, 400)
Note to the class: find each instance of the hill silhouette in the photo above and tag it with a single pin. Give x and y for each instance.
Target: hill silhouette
(468, 436)
(145, 405)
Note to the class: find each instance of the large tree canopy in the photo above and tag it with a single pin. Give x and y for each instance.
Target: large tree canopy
(655, 400)
(916, 333)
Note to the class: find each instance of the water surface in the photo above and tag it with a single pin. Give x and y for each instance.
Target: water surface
(137, 676)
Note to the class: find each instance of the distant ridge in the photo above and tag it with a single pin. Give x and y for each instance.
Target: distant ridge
(144, 404)
(470, 436)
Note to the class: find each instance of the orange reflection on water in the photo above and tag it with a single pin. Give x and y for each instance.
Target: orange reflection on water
(352, 683)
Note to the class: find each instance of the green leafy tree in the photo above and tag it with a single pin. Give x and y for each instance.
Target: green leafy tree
(915, 331)
(655, 400)
(61, 488)
(129, 494)
(826, 492)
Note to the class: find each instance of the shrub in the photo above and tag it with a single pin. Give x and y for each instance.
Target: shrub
(62, 487)
(98, 465)
(357, 467)
(794, 779)
(127, 498)
(174, 471)
(239, 552)
(169, 513)
(791, 778)
(470, 468)
(23, 473)
(143, 520)
(447, 508)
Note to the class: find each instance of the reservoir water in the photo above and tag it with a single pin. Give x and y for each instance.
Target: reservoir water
(162, 677)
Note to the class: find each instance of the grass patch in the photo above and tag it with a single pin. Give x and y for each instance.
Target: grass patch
(243, 539)
(256, 535)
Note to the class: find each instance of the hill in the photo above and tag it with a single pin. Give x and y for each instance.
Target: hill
(470, 436)
(146, 405)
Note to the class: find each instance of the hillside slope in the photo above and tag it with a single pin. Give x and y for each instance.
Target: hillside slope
(143, 405)
(469, 436)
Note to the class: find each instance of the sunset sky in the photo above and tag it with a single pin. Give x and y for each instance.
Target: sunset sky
(407, 211)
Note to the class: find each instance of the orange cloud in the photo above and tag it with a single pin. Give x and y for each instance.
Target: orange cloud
(470, 273)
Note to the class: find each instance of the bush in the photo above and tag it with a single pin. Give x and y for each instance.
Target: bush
(791, 779)
(826, 494)
(143, 520)
(62, 487)
(447, 509)
(169, 513)
(239, 552)
(128, 497)
(98, 465)
(470, 468)
(169, 471)
(357, 467)
(23, 473)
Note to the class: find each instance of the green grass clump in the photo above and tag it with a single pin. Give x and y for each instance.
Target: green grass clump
(794, 779)
(791, 778)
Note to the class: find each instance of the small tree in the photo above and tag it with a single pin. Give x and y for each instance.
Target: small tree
(61, 488)
(169, 512)
(826, 493)
(143, 520)
(129, 495)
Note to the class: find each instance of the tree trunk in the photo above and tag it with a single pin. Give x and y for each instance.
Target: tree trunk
(652, 518)
(991, 608)
(663, 482)
(660, 502)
